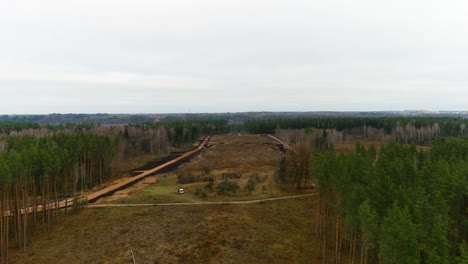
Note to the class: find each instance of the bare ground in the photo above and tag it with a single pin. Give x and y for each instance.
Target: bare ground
(269, 232)
(130, 190)
(244, 153)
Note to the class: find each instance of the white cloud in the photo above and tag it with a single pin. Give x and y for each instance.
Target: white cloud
(112, 79)
(162, 56)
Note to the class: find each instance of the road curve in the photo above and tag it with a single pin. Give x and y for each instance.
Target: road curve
(286, 146)
(96, 195)
(203, 203)
(108, 190)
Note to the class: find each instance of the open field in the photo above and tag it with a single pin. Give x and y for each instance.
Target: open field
(266, 232)
(240, 153)
(245, 155)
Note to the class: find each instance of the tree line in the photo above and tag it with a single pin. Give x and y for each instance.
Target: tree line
(186, 132)
(7, 127)
(408, 130)
(78, 118)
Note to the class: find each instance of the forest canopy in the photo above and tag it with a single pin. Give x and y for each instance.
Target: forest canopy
(396, 199)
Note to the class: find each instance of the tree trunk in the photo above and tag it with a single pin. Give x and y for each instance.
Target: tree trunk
(2, 232)
(353, 255)
(24, 213)
(324, 256)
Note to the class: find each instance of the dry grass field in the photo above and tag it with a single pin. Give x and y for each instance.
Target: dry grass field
(242, 153)
(271, 232)
(266, 232)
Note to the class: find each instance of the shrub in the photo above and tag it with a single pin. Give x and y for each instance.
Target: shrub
(252, 183)
(227, 186)
(184, 177)
(257, 177)
(208, 178)
(206, 170)
(209, 186)
(201, 193)
(231, 175)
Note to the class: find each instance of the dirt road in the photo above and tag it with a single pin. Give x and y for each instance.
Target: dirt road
(203, 203)
(286, 146)
(111, 189)
(94, 196)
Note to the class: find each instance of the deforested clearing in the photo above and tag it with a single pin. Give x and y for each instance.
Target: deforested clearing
(277, 231)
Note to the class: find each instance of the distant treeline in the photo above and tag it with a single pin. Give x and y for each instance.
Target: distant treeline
(6, 127)
(183, 132)
(450, 127)
(414, 130)
(232, 118)
(79, 118)
(9, 127)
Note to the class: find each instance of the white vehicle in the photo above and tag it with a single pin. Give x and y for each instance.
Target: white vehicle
(180, 191)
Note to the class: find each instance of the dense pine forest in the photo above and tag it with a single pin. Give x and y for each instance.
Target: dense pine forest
(388, 197)
(387, 202)
(377, 202)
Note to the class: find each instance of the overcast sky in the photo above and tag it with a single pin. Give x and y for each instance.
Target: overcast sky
(113, 56)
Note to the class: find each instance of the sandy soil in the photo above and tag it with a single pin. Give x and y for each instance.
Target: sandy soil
(129, 190)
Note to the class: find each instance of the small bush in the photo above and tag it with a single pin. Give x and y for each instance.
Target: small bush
(206, 170)
(201, 193)
(209, 186)
(226, 187)
(208, 178)
(184, 177)
(252, 183)
(231, 175)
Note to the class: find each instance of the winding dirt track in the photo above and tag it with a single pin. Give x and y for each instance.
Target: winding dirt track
(286, 146)
(108, 190)
(111, 189)
(202, 203)
(94, 196)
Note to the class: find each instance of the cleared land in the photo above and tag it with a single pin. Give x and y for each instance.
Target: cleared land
(276, 231)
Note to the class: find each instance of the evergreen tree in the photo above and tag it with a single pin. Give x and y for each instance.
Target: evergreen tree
(399, 238)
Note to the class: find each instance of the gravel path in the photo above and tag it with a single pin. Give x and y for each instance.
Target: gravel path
(202, 203)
